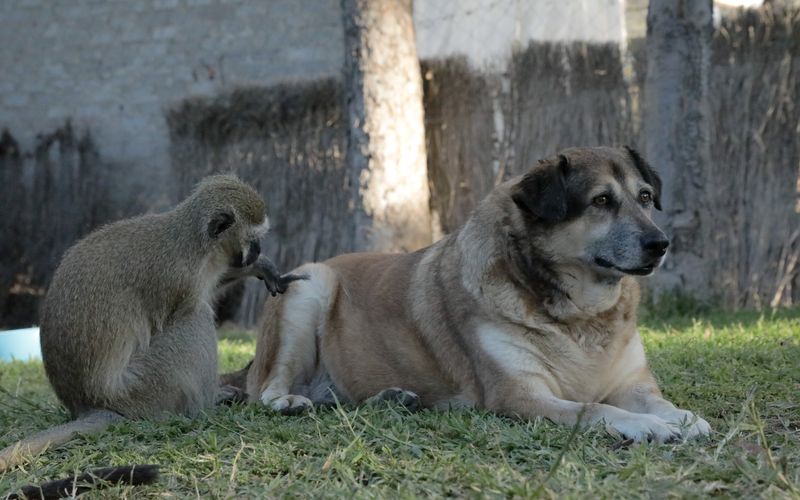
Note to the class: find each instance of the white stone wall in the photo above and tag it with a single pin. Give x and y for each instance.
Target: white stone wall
(486, 31)
(114, 66)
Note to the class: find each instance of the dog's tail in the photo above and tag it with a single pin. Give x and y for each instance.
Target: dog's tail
(75, 485)
(91, 423)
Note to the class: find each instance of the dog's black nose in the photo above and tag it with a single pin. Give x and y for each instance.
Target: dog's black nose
(655, 245)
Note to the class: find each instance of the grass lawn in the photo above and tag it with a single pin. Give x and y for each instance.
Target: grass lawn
(739, 371)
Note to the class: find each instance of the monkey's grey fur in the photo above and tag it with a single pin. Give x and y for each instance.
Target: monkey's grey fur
(127, 327)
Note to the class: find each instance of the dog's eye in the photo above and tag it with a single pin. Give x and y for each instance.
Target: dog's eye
(645, 198)
(601, 201)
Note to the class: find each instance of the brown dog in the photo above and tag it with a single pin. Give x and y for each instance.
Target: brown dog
(528, 310)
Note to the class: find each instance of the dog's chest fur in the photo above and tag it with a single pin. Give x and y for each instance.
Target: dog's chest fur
(581, 360)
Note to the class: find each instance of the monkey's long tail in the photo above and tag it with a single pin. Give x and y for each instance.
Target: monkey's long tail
(75, 485)
(90, 423)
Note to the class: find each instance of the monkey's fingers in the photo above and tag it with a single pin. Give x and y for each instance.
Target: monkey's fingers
(266, 268)
(285, 280)
(266, 271)
(289, 277)
(272, 286)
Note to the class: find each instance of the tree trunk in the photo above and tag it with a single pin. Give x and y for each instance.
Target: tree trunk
(677, 128)
(386, 143)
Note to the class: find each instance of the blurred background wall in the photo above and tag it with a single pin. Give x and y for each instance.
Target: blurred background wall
(112, 108)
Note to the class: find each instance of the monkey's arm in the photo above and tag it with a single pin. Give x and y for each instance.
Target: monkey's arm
(265, 270)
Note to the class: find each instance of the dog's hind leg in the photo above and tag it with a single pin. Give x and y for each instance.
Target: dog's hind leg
(287, 350)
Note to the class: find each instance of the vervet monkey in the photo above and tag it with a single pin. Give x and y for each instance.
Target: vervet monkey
(127, 326)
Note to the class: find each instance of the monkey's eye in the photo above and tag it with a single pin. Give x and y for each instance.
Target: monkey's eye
(601, 201)
(645, 197)
(219, 223)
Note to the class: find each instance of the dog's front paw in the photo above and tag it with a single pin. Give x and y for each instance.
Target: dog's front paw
(642, 427)
(288, 404)
(690, 425)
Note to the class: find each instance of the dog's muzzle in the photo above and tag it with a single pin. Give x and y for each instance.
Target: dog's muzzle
(654, 247)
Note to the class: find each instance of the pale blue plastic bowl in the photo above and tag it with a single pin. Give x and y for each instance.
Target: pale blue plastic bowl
(20, 344)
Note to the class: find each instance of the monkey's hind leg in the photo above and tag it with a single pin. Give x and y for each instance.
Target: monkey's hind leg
(176, 373)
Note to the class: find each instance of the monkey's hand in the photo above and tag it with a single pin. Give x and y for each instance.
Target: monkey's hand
(276, 282)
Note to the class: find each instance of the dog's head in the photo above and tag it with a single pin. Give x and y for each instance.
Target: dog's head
(593, 207)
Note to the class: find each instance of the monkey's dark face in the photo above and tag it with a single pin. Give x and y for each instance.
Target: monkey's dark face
(243, 259)
(238, 239)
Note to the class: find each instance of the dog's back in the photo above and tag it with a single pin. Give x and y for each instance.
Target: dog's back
(323, 332)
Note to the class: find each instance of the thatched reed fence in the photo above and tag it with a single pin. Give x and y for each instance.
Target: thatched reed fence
(462, 145)
(562, 95)
(482, 128)
(566, 95)
(755, 102)
(289, 142)
(52, 196)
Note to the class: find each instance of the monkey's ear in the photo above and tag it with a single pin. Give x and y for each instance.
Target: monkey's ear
(647, 172)
(542, 192)
(219, 223)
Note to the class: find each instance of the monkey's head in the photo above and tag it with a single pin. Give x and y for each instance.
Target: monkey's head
(234, 218)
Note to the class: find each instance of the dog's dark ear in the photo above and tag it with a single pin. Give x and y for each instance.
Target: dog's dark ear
(542, 192)
(649, 175)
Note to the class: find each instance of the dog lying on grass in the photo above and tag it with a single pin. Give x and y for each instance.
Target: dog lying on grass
(528, 310)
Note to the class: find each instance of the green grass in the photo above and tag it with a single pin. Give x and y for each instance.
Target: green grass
(739, 371)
